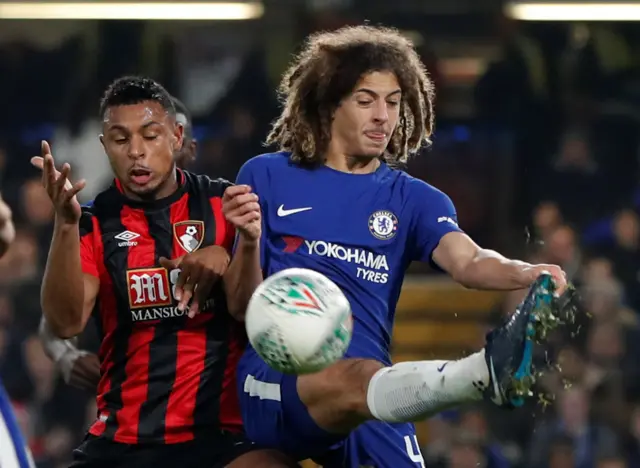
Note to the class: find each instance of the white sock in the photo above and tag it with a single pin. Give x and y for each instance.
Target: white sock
(413, 391)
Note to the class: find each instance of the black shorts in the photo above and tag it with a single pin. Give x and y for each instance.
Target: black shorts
(214, 452)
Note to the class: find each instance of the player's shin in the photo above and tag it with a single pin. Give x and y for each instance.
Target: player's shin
(412, 391)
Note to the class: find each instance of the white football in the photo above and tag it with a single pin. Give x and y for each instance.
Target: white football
(299, 321)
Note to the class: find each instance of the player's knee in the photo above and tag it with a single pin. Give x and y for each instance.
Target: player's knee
(337, 397)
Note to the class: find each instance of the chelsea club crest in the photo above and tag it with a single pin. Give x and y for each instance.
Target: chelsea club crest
(383, 224)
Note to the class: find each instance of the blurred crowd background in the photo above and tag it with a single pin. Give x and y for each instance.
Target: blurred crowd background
(537, 144)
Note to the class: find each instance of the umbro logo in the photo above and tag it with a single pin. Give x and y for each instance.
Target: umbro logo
(127, 238)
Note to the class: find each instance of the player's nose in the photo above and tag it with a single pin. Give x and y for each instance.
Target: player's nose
(136, 148)
(381, 113)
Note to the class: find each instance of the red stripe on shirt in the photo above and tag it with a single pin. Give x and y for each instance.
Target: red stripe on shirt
(230, 416)
(225, 232)
(190, 359)
(134, 388)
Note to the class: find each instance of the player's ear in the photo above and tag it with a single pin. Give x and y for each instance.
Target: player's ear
(102, 141)
(193, 150)
(178, 136)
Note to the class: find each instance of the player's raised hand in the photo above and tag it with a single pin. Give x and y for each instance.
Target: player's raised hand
(199, 272)
(60, 190)
(241, 208)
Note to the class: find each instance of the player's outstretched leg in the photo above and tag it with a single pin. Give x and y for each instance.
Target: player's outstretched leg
(354, 390)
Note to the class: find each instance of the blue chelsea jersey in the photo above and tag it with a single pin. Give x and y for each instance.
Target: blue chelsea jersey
(360, 230)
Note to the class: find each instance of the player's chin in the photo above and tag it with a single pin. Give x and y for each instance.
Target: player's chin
(374, 147)
(373, 152)
(147, 188)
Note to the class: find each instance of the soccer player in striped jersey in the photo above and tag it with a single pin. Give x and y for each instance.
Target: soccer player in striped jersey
(152, 253)
(81, 368)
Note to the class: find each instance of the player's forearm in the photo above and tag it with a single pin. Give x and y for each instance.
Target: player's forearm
(490, 270)
(243, 276)
(62, 295)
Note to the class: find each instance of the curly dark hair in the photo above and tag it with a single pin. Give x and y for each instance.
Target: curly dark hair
(327, 70)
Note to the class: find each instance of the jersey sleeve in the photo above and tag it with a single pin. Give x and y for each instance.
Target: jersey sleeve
(87, 252)
(228, 238)
(213, 192)
(434, 216)
(246, 176)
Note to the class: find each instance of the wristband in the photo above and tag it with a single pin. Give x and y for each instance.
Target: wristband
(54, 347)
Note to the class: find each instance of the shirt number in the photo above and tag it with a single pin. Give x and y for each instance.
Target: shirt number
(414, 452)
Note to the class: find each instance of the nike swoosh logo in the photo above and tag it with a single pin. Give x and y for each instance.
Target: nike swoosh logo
(441, 368)
(497, 396)
(282, 212)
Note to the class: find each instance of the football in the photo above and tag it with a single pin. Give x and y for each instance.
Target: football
(299, 321)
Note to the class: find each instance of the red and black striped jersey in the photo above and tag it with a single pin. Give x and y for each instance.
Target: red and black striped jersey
(164, 377)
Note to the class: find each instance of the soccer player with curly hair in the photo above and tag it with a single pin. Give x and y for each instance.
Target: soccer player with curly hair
(357, 103)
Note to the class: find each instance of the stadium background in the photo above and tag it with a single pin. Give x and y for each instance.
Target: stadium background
(537, 143)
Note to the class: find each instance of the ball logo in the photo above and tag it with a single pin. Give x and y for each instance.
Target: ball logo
(295, 296)
(303, 296)
(189, 234)
(383, 224)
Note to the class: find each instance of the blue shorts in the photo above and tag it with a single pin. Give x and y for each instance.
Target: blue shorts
(275, 417)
